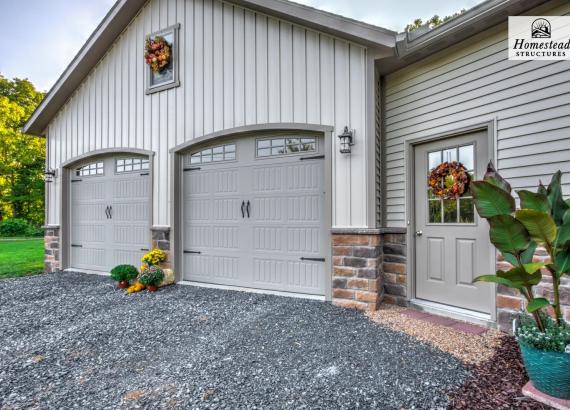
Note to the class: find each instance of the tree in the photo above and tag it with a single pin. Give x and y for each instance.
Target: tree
(432, 22)
(22, 157)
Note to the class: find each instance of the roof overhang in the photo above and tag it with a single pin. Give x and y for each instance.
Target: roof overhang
(123, 11)
(416, 45)
(344, 27)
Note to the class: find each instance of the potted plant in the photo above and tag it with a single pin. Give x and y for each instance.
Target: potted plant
(154, 257)
(123, 274)
(151, 276)
(543, 219)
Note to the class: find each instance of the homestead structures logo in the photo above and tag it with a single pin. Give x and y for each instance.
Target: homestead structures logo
(541, 28)
(539, 38)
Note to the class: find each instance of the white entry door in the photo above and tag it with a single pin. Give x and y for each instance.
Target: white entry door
(452, 241)
(254, 214)
(109, 212)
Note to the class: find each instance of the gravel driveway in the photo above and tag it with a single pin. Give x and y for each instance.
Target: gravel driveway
(72, 340)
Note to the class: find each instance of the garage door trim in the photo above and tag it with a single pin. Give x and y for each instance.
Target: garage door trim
(66, 172)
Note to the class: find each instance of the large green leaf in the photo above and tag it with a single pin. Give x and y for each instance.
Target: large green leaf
(520, 277)
(537, 303)
(533, 267)
(563, 236)
(494, 178)
(540, 225)
(554, 194)
(490, 200)
(497, 279)
(536, 201)
(526, 256)
(508, 234)
(566, 217)
(563, 261)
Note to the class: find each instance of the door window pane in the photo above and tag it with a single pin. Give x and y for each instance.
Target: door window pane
(466, 157)
(434, 211)
(450, 211)
(434, 159)
(466, 211)
(450, 155)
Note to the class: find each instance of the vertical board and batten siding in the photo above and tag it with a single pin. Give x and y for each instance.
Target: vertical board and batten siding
(474, 82)
(237, 67)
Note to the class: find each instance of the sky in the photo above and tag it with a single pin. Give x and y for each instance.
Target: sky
(41, 37)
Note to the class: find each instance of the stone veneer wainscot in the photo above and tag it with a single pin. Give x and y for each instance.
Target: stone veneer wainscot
(52, 258)
(360, 258)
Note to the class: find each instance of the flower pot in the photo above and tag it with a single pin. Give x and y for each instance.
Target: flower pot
(548, 371)
(123, 284)
(152, 288)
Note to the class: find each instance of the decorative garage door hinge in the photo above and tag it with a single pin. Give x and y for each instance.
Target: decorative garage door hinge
(144, 174)
(193, 252)
(76, 246)
(315, 157)
(76, 180)
(192, 169)
(313, 259)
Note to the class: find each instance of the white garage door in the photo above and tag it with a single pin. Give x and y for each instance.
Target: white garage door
(109, 213)
(254, 214)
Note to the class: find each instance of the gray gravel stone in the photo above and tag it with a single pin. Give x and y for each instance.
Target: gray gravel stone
(74, 341)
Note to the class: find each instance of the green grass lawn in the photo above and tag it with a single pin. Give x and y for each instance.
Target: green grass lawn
(21, 257)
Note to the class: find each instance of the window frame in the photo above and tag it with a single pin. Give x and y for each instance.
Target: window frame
(78, 173)
(285, 137)
(211, 148)
(175, 82)
(143, 161)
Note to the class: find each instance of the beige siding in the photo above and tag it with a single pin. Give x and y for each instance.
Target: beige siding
(471, 83)
(237, 67)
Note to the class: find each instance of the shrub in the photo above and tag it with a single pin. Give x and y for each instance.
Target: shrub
(124, 272)
(554, 338)
(151, 276)
(18, 227)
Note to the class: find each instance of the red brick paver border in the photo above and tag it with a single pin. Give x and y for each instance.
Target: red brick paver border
(446, 322)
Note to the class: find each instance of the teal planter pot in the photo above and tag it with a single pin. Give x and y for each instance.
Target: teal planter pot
(548, 371)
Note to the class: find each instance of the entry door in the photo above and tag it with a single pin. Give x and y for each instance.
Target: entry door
(452, 241)
(109, 213)
(254, 215)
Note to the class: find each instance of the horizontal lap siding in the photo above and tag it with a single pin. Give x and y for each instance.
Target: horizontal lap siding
(237, 67)
(472, 83)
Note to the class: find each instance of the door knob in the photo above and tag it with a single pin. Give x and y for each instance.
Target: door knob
(419, 233)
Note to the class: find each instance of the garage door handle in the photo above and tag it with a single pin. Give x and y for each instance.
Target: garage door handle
(107, 211)
(242, 211)
(110, 212)
(313, 259)
(247, 208)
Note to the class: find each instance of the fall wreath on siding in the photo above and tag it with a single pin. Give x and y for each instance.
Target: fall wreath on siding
(449, 180)
(157, 53)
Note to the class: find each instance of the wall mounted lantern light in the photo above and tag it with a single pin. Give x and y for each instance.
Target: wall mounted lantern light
(346, 141)
(49, 175)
